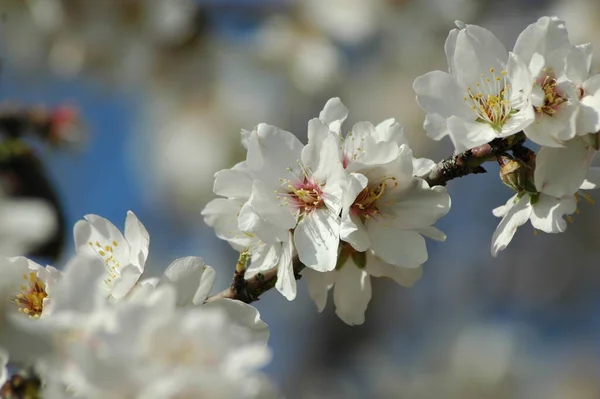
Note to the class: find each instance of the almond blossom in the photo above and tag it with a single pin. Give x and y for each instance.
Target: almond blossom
(294, 188)
(546, 209)
(485, 95)
(385, 213)
(124, 255)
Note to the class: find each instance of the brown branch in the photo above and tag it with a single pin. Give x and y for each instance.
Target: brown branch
(459, 165)
(470, 161)
(250, 290)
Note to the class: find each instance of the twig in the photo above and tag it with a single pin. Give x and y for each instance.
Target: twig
(250, 290)
(470, 161)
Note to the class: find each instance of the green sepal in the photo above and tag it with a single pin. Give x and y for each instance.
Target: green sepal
(360, 259)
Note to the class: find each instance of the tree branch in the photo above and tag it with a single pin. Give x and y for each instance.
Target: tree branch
(459, 165)
(470, 161)
(250, 290)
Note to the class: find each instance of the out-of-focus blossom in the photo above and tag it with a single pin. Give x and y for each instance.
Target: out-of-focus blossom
(124, 255)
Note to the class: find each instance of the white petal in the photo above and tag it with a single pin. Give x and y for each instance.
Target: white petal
(356, 182)
(422, 166)
(244, 315)
(560, 171)
(271, 152)
(546, 131)
(503, 209)
(588, 119)
(397, 247)
(404, 276)
(265, 257)
(319, 285)
(421, 206)
(232, 183)
(548, 213)
(353, 231)
(139, 240)
(185, 274)
(436, 126)
(516, 216)
(317, 238)
(265, 204)
(579, 62)
(476, 51)
(391, 131)
(450, 48)
(98, 230)
(467, 135)
(351, 294)
(334, 114)
(544, 36)
(125, 281)
(286, 281)
(222, 215)
(318, 132)
(439, 93)
(520, 81)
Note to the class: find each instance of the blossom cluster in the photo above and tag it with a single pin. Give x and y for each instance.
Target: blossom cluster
(348, 206)
(338, 210)
(97, 329)
(542, 89)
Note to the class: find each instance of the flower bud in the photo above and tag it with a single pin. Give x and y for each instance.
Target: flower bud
(516, 174)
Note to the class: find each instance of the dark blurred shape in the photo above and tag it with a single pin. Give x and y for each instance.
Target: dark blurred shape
(22, 173)
(22, 385)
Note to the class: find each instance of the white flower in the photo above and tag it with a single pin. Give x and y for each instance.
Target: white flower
(561, 171)
(27, 286)
(486, 95)
(152, 349)
(191, 278)
(124, 256)
(385, 209)
(295, 187)
(364, 135)
(546, 211)
(222, 214)
(560, 74)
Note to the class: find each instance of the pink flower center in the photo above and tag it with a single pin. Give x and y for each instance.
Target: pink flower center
(367, 203)
(307, 195)
(553, 96)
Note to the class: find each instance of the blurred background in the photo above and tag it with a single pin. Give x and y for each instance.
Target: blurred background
(163, 88)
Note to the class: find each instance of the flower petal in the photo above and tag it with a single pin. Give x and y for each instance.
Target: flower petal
(351, 294)
(286, 281)
(476, 51)
(334, 114)
(515, 216)
(319, 285)
(404, 276)
(397, 247)
(439, 93)
(139, 240)
(420, 207)
(560, 171)
(467, 135)
(548, 213)
(317, 238)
